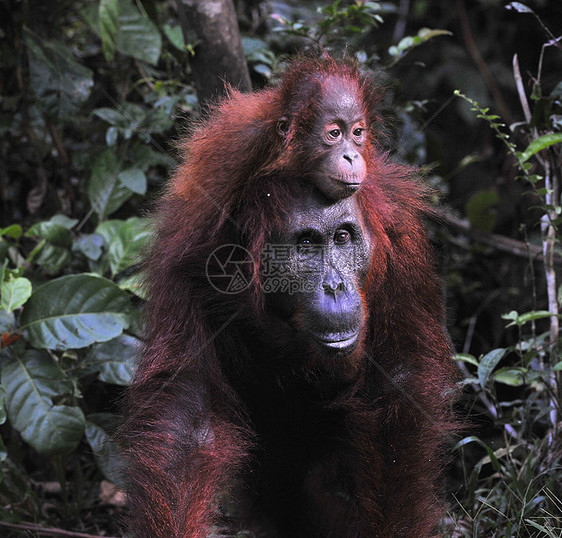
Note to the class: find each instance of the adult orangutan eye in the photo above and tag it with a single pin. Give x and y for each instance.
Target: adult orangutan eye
(305, 241)
(341, 237)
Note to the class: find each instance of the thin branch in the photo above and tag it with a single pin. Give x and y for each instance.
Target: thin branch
(58, 143)
(521, 90)
(549, 239)
(400, 27)
(499, 242)
(49, 531)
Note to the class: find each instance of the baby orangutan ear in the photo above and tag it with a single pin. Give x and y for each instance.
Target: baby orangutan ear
(283, 126)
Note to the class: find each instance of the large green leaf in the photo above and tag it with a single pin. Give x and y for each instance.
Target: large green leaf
(138, 36)
(114, 360)
(56, 230)
(540, 143)
(61, 85)
(108, 12)
(31, 381)
(127, 244)
(106, 192)
(75, 311)
(53, 253)
(487, 364)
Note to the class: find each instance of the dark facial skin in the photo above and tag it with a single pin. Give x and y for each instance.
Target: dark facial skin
(326, 267)
(337, 140)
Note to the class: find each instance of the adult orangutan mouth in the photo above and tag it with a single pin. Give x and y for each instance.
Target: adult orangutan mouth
(337, 341)
(348, 184)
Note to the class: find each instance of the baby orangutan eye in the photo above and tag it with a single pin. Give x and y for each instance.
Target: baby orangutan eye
(334, 134)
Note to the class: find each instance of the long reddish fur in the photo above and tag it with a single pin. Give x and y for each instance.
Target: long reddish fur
(185, 435)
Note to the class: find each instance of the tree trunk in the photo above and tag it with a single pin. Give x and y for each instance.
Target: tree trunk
(212, 26)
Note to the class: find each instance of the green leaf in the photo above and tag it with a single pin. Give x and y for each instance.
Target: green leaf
(536, 314)
(56, 231)
(75, 311)
(491, 454)
(145, 157)
(111, 116)
(111, 136)
(14, 231)
(52, 258)
(487, 364)
(138, 36)
(127, 244)
(514, 377)
(114, 360)
(108, 13)
(14, 293)
(521, 319)
(538, 144)
(557, 367)
(134, 179)
(90, 245)
(467, 440)
(106, 193)
(160, 121)
(465, 357)
(60, 84)
(31, 382)
(408, 43)
(53, 253)
(135, 284)
(175, 35)
(100, 430)
(108, 230)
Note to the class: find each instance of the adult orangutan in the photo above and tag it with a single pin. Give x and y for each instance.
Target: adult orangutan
(318, 396)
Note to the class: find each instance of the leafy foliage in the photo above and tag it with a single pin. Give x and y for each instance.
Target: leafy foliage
(526, 480)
